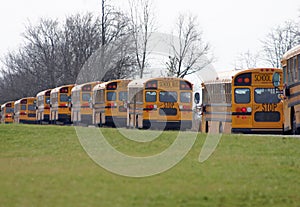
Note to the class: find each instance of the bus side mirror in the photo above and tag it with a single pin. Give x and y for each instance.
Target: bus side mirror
(197, 98)
(276, 79)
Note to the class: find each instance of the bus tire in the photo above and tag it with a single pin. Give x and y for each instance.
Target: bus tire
(295, 129)
(136, 122)
(206, 126)
(100, 121)
(220, 127)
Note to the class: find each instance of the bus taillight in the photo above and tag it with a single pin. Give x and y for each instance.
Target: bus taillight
(23, 113)
(24, 101)
(185, 108)
(64, 90)
(48, 93)
(111, 105)
(112, 86)
(151, 107)
(63, 106)
(87, 88)
(244, 109)
(184, 85)
(8, 116)
(151, 84)
(243, 80)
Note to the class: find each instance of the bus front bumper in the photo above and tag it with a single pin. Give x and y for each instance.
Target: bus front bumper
(167, 124)
(257, 130)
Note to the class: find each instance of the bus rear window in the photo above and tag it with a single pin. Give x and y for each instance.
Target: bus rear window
(123, 96)
(9, 110)
(64, 98)
(167, 96)
(265, 95)
(185, 97)
(23, 107)
(150, 96)
(86, 97)
(31, 107)
(111, 96)
(242, 95)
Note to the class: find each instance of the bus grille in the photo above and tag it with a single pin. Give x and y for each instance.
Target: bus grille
(267, 116)
(167, 111)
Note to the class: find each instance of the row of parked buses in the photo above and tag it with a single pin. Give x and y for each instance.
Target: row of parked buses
(144, 103)
(245, 102)
(261, 100)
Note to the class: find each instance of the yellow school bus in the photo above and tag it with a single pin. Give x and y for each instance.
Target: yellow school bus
(109, 103)
(247, 102)
(81, 112)
(291, 77)
(160, 103)
(7, 112)
(60, 104)
(25, 110)
(43, 107)
(256, 104)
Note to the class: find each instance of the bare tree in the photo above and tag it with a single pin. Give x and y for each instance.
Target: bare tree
(189, 52)
(143, 25)
(54, 54)
(247, 60)
(81, 38)
(41, 51)
(279, 40)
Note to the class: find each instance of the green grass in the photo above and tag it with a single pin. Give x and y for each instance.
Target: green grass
(46, 166)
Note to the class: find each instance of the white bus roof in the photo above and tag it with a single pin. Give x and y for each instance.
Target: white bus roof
(80, 86)
(140, 83)
(18, 101)
(43, 92)
(292, 52)
(102, 85)
(58, 88)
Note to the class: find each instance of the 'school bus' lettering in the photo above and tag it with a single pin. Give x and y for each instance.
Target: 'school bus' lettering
(263, 77)
(171, 84)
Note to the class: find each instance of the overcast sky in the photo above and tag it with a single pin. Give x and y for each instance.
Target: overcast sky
(230, 26)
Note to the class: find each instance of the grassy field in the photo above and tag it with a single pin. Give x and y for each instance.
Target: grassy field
(46, 166)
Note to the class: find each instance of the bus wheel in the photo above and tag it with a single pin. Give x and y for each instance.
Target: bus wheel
(100, 121)
(136, 122)
(295, 130)
(220, 127)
